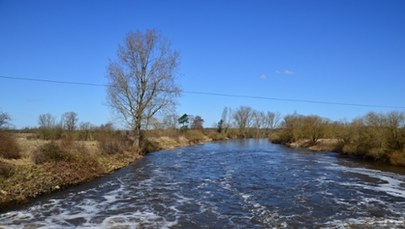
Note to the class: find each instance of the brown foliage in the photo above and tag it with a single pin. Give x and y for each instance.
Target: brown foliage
(374, 136)
(8, 146)
(51, 152)
(112, 142)
(397, 158)
(215, 136)
(195, 136)
(6, 169)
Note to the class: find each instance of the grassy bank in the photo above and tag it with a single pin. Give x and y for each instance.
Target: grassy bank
(38, 166)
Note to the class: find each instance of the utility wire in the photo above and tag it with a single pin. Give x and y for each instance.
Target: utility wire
(212, 93)
(53, 81)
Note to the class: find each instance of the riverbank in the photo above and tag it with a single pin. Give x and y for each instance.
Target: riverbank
(396, 158)
(319, 146)
(48, 166)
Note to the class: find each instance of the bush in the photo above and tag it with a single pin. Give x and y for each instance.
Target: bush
(53, 133)
(232, 133)
(111, 142)
(194, 136)
(149, 146)
(397, 158)
(215, 136)
(67, 142)
(6, 169)
(8, 146)
(51, 152)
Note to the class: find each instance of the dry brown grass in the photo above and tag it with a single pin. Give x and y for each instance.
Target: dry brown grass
(195, 136)
(28, 144)
(9, 148)
(52, 152)
(64, 162)
(166, 142)
(324, 144)
(6, 169)
(215, 136)
(50, 165)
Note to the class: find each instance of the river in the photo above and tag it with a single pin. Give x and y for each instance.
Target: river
(231, 184)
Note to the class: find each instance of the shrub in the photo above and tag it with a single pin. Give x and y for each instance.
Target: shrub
(50, 152)
(232, 133)
(67, 142)
(149, 146)
(52, 133)
(8, 146)
(6, 169)
(215, 136)
(194, 136)
(276, 138)
(397, 158)
(111, 142)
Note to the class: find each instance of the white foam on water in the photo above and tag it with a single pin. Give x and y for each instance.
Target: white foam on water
(181, 200)
(53, 214)
(365, 222)
(262, 213)
(393, 184)
(341, 201)
(138, 219)
(245, 197)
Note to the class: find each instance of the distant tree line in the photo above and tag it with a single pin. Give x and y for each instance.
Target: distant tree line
(246, 122)
(51, 129)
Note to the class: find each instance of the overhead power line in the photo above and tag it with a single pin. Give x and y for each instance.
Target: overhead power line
(213, 93)
(52, 81)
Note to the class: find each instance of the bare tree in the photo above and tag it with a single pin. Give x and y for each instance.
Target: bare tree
(170, 121)
(243, 118)
(85, 131)
(395, 132)
(4, 119)
(46, 121)
(142, 81)
(69, 121)
(197, 122)
(258, 121)
(272, 120)
(313, 127)
(225, 123)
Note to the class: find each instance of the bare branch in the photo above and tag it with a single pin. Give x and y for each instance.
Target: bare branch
(142, 81)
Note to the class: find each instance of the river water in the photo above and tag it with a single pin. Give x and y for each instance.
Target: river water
(232, 184)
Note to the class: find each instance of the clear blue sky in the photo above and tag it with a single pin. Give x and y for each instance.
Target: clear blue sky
(341, 51)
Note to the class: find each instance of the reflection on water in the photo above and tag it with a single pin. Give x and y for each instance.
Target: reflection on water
(234, 184)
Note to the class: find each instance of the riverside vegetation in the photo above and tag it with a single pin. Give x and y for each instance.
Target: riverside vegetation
(34, 162)
(374, 136)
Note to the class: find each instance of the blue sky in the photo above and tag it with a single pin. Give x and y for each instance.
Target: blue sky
(340, 51)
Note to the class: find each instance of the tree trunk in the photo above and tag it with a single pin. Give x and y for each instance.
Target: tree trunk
(138, 138)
